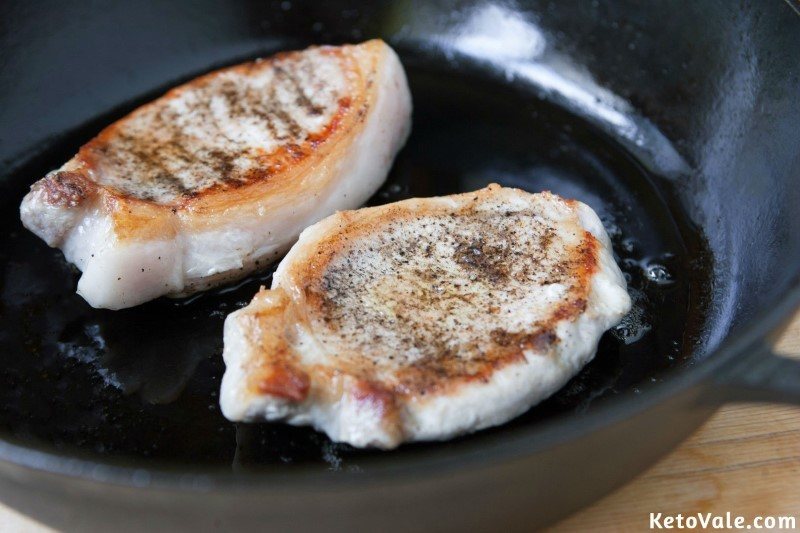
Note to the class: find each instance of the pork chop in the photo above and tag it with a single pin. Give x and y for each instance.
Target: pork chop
(426, 318)
(219, 176)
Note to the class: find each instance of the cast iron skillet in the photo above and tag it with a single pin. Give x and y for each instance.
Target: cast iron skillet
(677, 121)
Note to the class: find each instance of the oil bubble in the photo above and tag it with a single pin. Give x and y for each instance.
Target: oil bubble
(658, 274)
(634, 325)
(393, 191)
(628, 245)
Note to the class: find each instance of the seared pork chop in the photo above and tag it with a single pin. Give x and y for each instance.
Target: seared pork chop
(426, 318)
(220, 175)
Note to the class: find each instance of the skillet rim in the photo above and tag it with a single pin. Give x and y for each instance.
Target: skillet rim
(525, 442)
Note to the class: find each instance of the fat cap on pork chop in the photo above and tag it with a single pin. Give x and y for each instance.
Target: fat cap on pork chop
(220, 175)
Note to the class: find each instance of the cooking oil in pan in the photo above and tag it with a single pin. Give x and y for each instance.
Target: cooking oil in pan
(141, 385)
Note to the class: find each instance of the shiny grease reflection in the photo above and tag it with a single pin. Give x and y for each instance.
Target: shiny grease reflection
(143, 383)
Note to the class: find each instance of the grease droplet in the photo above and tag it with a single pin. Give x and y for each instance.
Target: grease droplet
(659, 275)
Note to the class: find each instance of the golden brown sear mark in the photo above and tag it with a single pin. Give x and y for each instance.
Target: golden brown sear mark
(503, 251)
(538, 341)
(66, 188)
(283, 381)
(189, 143)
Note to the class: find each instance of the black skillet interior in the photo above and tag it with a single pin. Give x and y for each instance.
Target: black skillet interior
(140, 386)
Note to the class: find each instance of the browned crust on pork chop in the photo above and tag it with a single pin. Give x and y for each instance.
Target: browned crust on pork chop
(316, 278)
(273, 177)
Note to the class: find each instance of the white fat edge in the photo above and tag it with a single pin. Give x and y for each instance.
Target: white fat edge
(51, 223)
(609, 288)
(48, 222)
(115, 274)
(365, 164)
(119, 274)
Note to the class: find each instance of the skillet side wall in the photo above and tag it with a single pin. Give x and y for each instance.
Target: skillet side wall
(522, 494)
